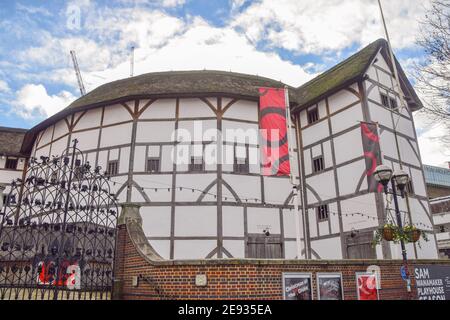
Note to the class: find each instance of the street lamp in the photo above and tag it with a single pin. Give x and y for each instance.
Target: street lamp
(398, 179)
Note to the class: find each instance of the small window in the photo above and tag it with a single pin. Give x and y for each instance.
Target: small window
(196, 164)
(11, 164)
(313, 115)
(322, 212)
(393, 103)
(384, 100)
(153, 165)
(318, 164)
(241, 164)
(113, 168)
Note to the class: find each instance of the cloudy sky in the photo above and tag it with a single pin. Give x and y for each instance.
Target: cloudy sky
(289, 40)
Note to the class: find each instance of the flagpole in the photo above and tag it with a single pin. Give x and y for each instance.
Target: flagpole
(294, 185)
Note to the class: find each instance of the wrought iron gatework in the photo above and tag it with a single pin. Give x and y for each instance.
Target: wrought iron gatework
(58, 231)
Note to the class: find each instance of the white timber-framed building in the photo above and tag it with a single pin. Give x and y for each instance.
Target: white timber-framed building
(198, 210)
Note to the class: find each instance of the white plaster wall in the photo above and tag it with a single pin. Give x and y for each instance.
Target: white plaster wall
(156, 221)
(242, 110)
(315, 132)
(259, 219)
(326, 248)
(160, 109)
(193, 108)
(116, 135)
(90, 119)
(162, 247)
(117, 113)
(196, 221)
(155, 131)
(193, 249)
(342, 99)
(246, 187)
(348, 146)
(346, 119)
(233, 221)
(349, 176)
(361, 204)
(323, 184)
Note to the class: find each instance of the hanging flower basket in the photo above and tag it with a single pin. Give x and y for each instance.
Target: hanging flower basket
(388, 233)
(412, 233)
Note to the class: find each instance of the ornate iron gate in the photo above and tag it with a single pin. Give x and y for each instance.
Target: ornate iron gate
(58, 231)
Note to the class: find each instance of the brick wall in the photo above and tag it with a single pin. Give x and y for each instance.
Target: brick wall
(237, 278)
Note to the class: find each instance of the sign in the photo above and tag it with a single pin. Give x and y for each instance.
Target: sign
(432, 282)
(329, 286)
(274, 134)
(297, 286)
(367, 285)
(403, 273)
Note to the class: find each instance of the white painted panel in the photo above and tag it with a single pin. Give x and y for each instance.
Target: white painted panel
(322, 109)
(324, 228)
(291, 249)
(197, 181)
(277, 190)
(418, 182)
(387, 144)
(116, 135)
(190, 108)
(139, 158)
(198, 130)
(316, 132)
(381, 62)
(316, 151)
(312, 222)
(196, 221)
(102, 159)
(246, 187)
(303, 118)
(241, 132)
(327, 155)
(323, 185)
(328, 248)
(289, 224)
(235, 247)
(427, 249)
(419, 215)
(58, 147)
(407, 152)
(124, 159)
(156, 221)
(46, 136)
(385, 79)
(43, 152)
(340, 100)
(349, 175)
(91, 118)
(166, 159)
(380, 114)
(117, 113)
(348, 146)
(254, 160)
(162, 247)
(334, 218)
(87, 140)
(346, 119)
(242, 110)
(60, 129)
(149, 182)
(365, 204)
(7, 176)
(160, 109)
(372, 73)
(193, 249)
(307, 160)
(233, 221)
(259, 219)
(155, 131)
(404, 126)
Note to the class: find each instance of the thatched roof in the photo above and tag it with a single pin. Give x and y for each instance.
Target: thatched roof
(11, 141)
(230, 84)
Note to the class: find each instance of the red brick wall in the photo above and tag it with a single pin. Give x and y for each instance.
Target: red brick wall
(237, 279)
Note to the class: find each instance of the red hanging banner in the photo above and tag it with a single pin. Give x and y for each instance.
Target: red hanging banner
(372, 153)
(274, 144)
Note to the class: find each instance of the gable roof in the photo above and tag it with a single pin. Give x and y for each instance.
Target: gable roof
(11, 141)
(349, 71)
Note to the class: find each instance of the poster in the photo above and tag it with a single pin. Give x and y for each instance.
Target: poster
(329, 286)
(297, 286)
(367, 286)
(432, 282)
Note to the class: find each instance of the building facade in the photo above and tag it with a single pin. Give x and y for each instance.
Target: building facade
(227, 209)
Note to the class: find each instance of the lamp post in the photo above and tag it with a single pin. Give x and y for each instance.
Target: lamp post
(398, 179)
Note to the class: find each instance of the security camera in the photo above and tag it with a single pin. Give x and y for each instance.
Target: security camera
(266, 232)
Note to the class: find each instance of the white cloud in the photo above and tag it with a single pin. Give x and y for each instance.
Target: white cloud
(32, 100)
(315, 26)
(4, 87)
(32, 10)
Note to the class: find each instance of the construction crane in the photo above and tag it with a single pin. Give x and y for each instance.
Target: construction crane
(78, 73)
(132, 62)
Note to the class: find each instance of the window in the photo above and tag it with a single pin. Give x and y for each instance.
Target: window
(241, 164)
(313, 115)
(261, 246)
(318, 164)
(153, 165)
(11, 163)
(393, 103)
(196, 164)
(410, 187)
(384, 100)
(322, 212)
(113, 168)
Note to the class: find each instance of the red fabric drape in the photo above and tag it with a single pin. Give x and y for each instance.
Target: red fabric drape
(274, 144)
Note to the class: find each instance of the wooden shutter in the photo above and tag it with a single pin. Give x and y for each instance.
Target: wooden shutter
(360, 246)
(261, 246)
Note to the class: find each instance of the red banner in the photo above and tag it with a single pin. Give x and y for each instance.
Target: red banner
(367, 287)
(372, 153)
(274, 146)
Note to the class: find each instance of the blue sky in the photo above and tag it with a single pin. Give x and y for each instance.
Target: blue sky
(289, 40)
